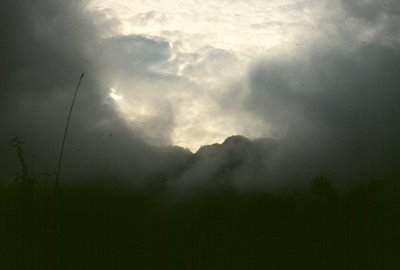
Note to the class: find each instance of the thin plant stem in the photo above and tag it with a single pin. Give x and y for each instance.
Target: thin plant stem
(65, 133)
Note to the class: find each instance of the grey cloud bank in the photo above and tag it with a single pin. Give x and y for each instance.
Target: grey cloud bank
(49, 44)
(335, 104)
(238, 163)
(334, 107)
(338, 114)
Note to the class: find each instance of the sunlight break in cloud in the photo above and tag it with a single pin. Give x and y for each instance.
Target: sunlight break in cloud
(113, 94)
(210, 45)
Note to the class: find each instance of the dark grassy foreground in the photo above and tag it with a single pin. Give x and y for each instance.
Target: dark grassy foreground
(110, 228)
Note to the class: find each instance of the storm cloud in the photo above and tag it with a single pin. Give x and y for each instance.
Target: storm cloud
(48, 45)
(330, 106)
(334, 105)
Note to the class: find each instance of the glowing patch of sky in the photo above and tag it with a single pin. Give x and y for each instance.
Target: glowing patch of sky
(247, 28)
(114, 95)
(212, 44)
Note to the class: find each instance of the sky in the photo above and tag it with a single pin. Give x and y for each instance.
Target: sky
(185, 93)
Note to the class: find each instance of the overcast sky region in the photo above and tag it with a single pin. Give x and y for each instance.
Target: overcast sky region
(307, 87)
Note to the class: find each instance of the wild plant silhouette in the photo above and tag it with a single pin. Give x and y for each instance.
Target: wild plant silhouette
(26, 178)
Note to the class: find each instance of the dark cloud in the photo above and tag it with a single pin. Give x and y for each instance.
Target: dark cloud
(371, 10)
(336, 112)
(41, 59)
(47, 46)
(332, 106)
(237, 163)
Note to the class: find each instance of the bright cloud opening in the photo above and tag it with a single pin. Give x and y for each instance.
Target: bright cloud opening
(208, 45)
(113, 94)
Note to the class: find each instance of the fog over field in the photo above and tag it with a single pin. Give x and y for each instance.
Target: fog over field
(245, 94)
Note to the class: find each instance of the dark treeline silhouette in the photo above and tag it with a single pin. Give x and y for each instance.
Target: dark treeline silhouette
(98, 227)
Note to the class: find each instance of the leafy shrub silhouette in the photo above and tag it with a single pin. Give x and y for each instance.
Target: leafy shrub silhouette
(26, 178)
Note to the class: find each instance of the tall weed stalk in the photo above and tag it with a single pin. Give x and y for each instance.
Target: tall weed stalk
(65, 134)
